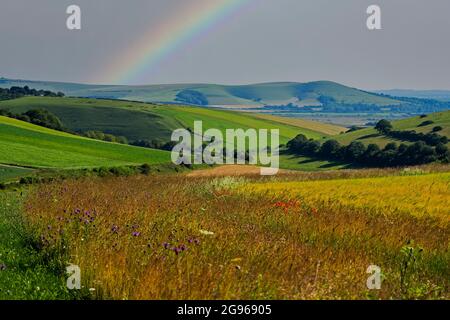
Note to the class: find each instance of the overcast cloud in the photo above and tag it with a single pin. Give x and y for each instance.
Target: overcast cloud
(271, 40)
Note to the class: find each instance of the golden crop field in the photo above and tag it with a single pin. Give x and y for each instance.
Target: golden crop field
(419, 195)
(298, 236)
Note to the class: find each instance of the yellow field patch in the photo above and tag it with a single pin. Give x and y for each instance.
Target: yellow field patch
(418, 195)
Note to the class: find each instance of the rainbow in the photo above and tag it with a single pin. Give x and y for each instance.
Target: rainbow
(158, 43)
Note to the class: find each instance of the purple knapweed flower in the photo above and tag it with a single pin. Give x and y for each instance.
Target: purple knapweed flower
(115, 229)
(166, 245)
(136, 234)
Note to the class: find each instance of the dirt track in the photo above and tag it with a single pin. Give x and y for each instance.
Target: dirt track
(228, 170)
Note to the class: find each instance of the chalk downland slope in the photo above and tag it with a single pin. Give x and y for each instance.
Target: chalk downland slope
(370, 135)
(277, 93)
(24, 144)
(144, 121)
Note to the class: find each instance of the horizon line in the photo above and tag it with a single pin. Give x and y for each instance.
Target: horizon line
(220, 84)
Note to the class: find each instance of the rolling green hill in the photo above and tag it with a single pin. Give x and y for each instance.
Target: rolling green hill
(252, 95)
(370, 135)
(132, 120)
(143, 121)
(24, 144)
(28, 145)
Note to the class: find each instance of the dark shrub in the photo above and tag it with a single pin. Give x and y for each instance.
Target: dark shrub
(426, 123)
(145, 168)
(44, 118)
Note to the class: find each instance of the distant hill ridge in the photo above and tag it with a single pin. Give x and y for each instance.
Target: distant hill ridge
(317, 96)
(443, 95)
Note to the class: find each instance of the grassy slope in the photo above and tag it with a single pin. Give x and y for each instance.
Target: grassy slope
(325, 128)
(132, 120)
(28, 275)
(148, 121)
(135, 121)
(291, 162)
(223, 120)
(29, 145)
(8, 173)
(370, 135)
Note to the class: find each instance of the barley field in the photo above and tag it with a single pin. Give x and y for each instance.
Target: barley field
(294, 236)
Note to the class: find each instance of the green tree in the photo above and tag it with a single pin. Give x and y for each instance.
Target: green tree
(296, 144)
(391, 146)
(383, 126)
(442, 152)
(355, 151)
(43, 117)
(330, 149)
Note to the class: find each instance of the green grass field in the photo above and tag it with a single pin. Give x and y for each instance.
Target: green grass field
(27, 145)
(149, 121)
(39, 147)
(24, 144)
(223, 120)
(294, 162)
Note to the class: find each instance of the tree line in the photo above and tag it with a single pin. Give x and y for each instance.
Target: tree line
(40, 117)
(99, 135)
(420, 152)
(19, 92)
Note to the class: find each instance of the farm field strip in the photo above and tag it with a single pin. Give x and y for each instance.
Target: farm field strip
(418, 195)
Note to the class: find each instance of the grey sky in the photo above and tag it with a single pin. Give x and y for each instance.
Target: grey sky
(271, 40)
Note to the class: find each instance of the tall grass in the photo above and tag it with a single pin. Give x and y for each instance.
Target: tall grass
(179, 237)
